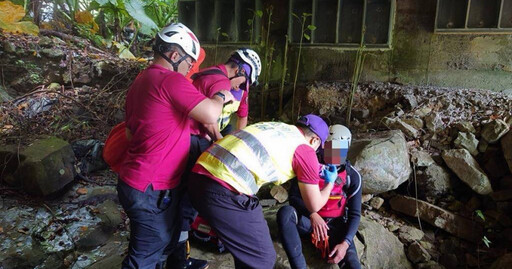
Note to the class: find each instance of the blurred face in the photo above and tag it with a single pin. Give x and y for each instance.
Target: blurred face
(238, 82)
(335, 151)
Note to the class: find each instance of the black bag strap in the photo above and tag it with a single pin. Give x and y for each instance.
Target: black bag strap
(213, 71)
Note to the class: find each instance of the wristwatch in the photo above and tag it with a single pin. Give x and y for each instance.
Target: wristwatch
(221, 96)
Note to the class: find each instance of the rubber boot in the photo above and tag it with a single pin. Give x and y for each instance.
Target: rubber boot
(180, 258)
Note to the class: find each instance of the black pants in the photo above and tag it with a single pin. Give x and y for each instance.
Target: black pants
(197, 146)
(292, 226)
(154, 226)
(238, 221)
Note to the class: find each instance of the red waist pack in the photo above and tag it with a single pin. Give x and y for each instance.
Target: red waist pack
(116, 146)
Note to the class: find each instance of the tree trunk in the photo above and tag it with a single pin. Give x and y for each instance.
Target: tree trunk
(35, 6)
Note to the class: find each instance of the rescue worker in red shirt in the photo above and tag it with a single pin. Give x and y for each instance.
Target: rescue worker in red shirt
(334, 226)
(239, 72)
(227, 176)
(159, 107)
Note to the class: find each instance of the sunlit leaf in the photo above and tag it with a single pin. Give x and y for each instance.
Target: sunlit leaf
(136, 9)
(10, 12)
(123, 51)
(311, 27)
(249, 22)
(225, 34)
(259, 13)
(86, 18)
(480, 214)
(306, 36)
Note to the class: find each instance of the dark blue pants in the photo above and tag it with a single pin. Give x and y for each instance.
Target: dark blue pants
(154, 225)
(238, 221)
(292, 226)
(197, 146)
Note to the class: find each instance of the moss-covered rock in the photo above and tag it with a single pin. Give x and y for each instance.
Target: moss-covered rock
(48, 167)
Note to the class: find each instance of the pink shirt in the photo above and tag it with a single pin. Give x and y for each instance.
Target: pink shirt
(210, 85)
(304, 163)
(157, 108)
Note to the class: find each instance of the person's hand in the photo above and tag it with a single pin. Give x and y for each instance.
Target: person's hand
(338, 253)
(319, 226)
(330, 173)
(228, 96)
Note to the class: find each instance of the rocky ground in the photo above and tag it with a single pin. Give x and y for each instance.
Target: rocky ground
(436, 165)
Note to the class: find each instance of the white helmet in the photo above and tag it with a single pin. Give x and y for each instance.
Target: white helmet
(339, 132)
(179, 34)
(251, 58)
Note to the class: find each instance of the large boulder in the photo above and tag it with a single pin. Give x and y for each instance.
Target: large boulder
(467, 141)
(48, 167)
(494, 130)
(467, 169)
(382, 160)
(454, 224)
(377, 254)
(433, 182)
(506, 145)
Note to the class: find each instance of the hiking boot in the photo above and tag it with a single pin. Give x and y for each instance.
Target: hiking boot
(180, 258)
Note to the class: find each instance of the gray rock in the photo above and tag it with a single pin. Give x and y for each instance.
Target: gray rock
(434, 181)
(400, 125)
(434, 122)
(45, 41)
(379, 255)
(454, 224)
(503, 262)
(53, 52)
(482, 146)
(415, 122)
(506, 146)
(421, 158)
(494, 130)
(422, 112)
(9, 47)
(467, 141)
(48, 167)
(410, 101)
(109, 214)
(465, 127)
(382, 160)
(360, 113)
(279, 193)
(4, 96)
(409, 234)
(376, 202)
(416, 253)
(467, 169)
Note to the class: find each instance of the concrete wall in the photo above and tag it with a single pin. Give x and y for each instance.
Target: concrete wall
(418, 56)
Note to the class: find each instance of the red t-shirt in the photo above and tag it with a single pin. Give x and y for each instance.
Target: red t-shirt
(209, 86)
(304, 163)
(157, 108)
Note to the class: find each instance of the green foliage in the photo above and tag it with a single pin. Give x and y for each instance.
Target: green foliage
(304, 34)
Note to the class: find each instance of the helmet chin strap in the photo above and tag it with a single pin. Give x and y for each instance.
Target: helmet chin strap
(173, 64)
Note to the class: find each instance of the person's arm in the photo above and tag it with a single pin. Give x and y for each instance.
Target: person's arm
(306, 167)
(314, 198)
(243, 111)
(209, 109)
(241, 123)
(354, 193)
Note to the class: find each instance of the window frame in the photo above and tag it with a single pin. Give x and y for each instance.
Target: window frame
(472, 30)
(216, 19)
(346, 46)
